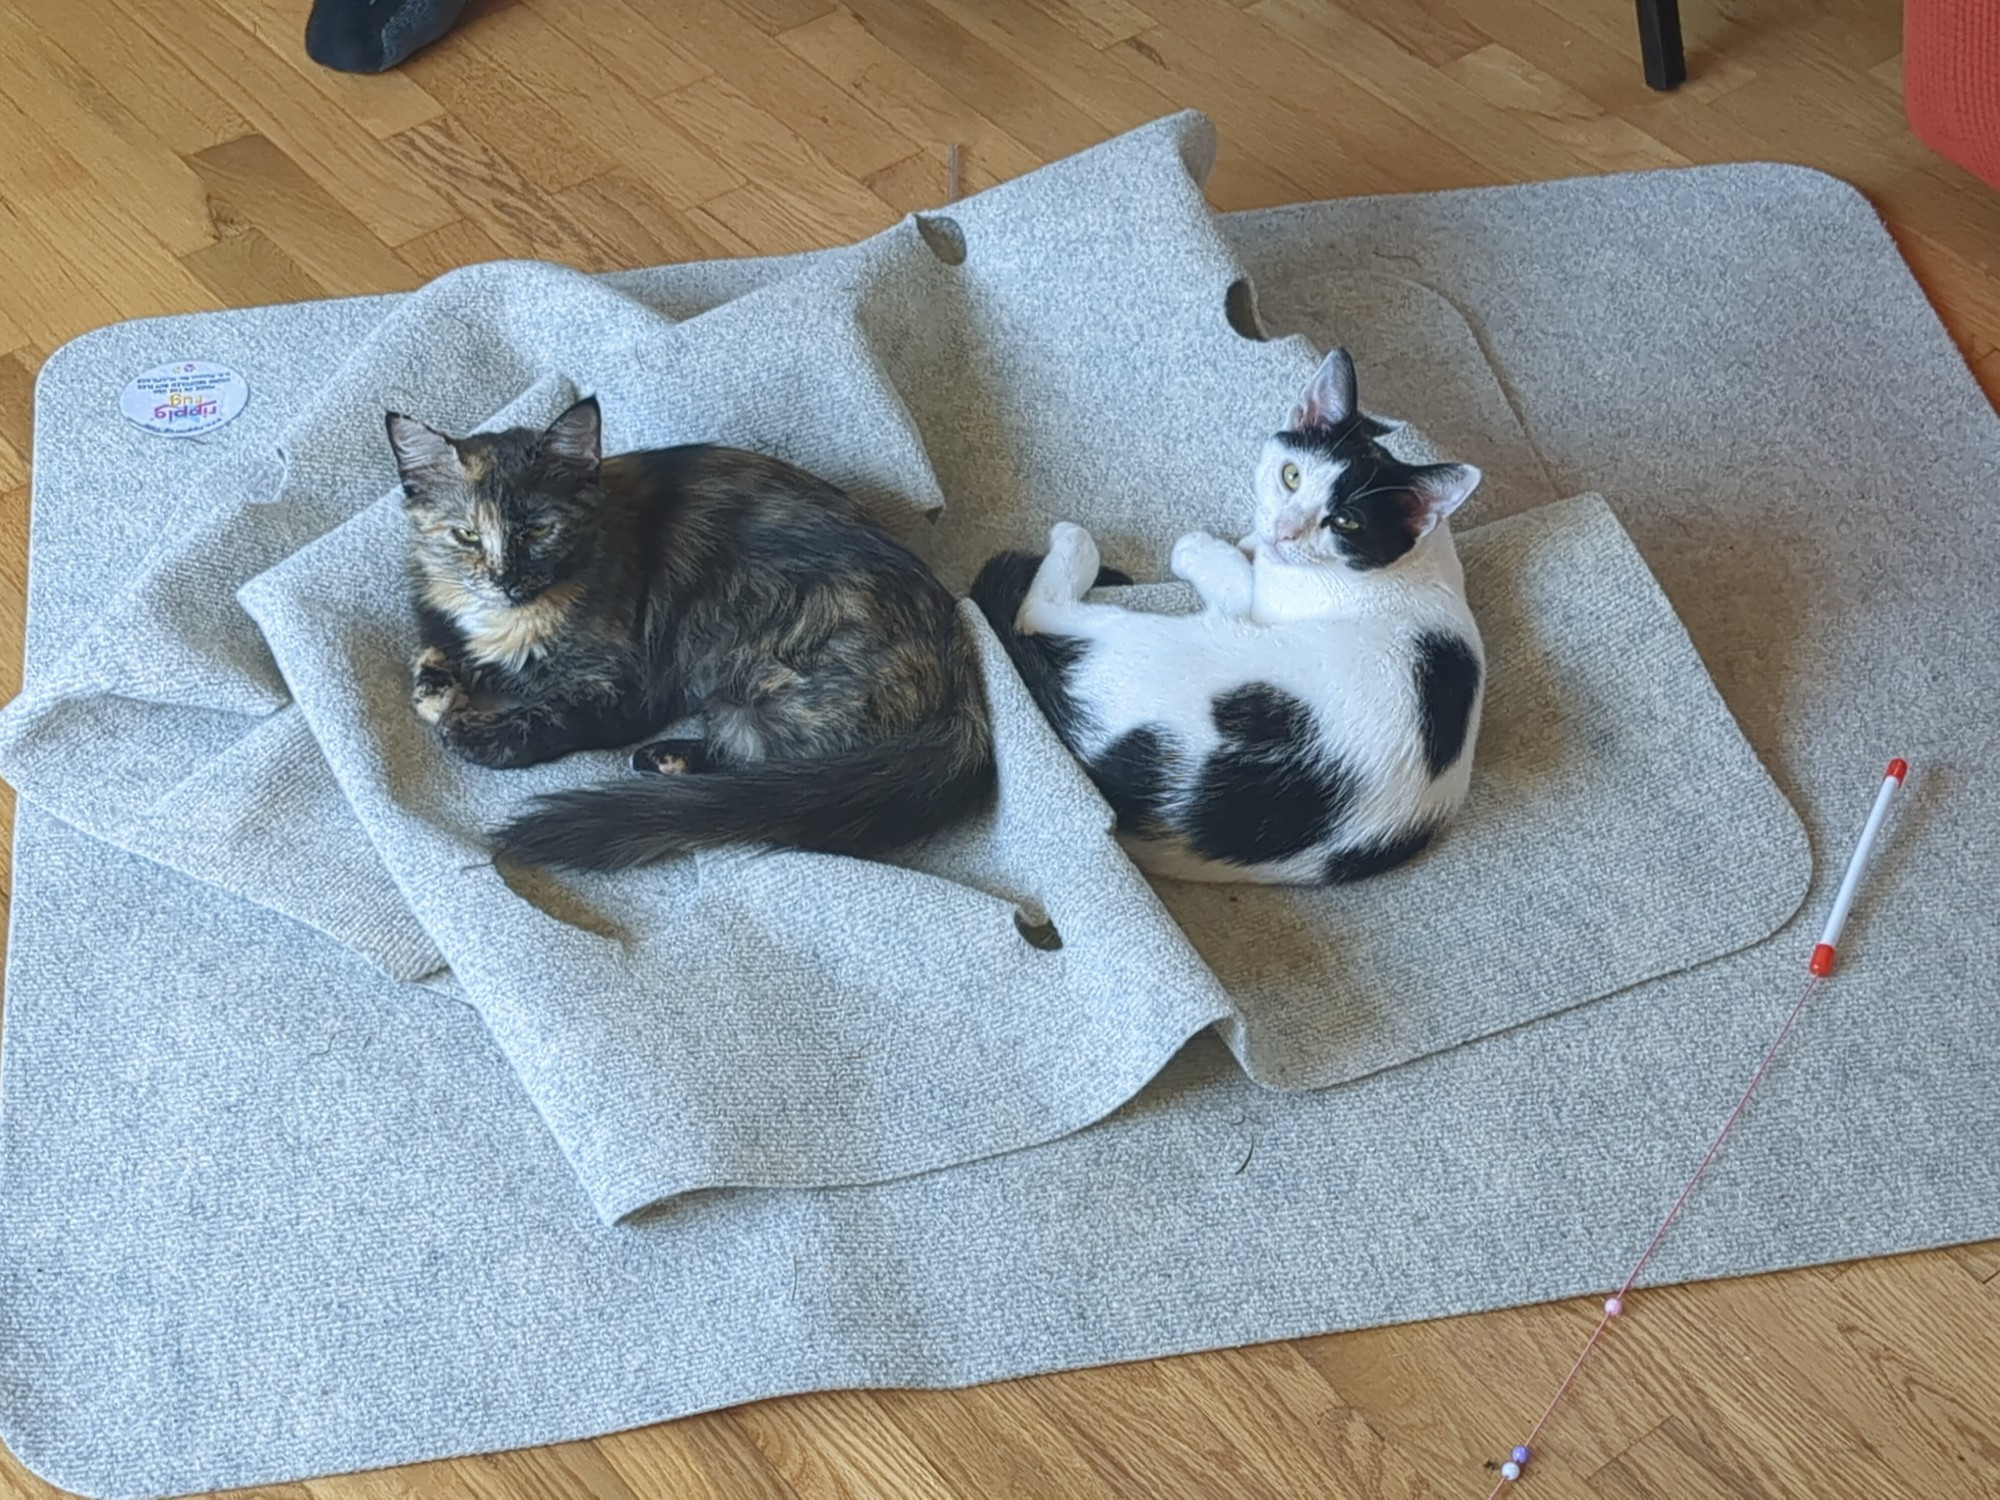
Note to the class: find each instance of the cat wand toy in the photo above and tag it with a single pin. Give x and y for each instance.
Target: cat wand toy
(1818, 968)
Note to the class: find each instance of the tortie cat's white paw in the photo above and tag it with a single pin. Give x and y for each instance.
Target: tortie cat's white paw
(434, 691)
(671, 757)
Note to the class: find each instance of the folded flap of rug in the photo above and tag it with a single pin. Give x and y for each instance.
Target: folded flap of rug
(754, 1018)
(1619, 828)
(168, 731)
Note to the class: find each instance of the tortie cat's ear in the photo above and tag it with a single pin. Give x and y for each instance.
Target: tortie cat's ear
(425, 457)
(576, 438)
(1329, 400)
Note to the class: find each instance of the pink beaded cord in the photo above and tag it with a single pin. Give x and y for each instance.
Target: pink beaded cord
(1818, 968)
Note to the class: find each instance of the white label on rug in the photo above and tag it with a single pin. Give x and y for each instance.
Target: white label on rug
(185, 399)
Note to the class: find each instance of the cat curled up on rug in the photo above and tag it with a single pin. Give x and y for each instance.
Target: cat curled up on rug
(568, 601)
(1314, 723)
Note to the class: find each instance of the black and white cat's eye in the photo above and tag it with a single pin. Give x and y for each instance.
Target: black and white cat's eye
(465, 536)
(1289, 476)
(1344, 520)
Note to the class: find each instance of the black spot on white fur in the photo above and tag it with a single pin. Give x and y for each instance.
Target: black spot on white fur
(1373, 858)
(1270, 791)
(1135, 772)
(1447, 677)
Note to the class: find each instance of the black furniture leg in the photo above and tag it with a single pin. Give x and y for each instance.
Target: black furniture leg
(1660, 43)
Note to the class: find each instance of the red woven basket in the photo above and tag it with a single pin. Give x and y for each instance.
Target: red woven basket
(1951, 80)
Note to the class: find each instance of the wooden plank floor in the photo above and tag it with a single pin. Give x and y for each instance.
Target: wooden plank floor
(165, 155)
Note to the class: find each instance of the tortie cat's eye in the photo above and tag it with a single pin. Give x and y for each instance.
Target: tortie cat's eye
(1289, 476)
(535, 533)
(465, 536)
(1344, 520)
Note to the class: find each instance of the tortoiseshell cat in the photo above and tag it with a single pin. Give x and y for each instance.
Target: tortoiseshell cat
(569, 601)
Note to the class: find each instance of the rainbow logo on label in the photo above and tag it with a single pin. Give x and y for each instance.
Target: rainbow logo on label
(184, 399)
(182, 406)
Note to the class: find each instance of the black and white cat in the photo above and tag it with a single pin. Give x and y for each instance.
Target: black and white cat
(1315, 722)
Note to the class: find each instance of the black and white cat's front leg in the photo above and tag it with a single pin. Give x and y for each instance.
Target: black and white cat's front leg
(1219, 571)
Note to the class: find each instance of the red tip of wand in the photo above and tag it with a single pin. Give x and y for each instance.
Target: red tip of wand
(1899, 768)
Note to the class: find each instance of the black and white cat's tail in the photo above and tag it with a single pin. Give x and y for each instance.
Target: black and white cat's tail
(864, 801)
(1042, 660)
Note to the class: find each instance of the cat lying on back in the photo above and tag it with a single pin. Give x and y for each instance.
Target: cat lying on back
(1315, 722)
(567, 601)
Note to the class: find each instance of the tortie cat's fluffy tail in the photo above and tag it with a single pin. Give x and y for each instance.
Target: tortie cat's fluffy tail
(864, 801)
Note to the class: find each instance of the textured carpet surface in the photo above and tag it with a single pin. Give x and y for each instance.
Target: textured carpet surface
(342, 1115)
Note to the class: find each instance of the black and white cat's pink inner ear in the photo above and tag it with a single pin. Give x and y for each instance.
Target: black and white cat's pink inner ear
(576, 437)
(1330, 399)
(1441, 489)
(424, 456)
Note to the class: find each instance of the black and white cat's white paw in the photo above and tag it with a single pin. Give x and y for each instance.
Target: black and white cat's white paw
(1069, 570)
(434, 689)
(1220, 572)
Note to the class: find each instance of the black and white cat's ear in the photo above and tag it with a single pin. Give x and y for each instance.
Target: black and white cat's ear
(424, 456)
(576, 438)
(1441, 489)
(1330, 400)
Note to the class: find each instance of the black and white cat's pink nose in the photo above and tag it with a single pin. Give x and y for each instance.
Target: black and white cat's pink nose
(1290, 528)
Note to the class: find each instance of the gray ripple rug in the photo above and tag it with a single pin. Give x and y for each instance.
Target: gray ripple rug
(307, 1110)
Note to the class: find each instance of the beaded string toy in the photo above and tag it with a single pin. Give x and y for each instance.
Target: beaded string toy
(1817, 968)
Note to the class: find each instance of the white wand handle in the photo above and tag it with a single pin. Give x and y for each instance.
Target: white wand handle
(1824, 954)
